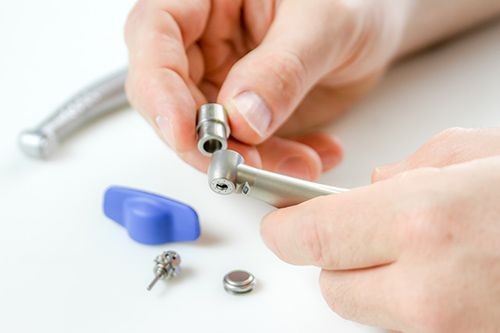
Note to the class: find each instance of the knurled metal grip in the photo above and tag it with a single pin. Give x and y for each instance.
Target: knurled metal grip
(212, 127)
(103, 97)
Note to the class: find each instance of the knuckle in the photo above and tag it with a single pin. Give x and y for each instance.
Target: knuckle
(313, 239)
(429, 224)
(270, 233)
(309, 240)
(289, 70)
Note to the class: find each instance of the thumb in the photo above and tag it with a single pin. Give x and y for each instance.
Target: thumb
(264, 87)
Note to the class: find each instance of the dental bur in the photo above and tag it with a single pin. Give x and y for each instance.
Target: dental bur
(227, 172)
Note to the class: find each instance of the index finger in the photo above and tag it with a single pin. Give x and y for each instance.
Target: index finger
(157, 34)
(351, 230)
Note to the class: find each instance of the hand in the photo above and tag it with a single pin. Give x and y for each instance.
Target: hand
(452, 146)
(417, 252)
(279, 67)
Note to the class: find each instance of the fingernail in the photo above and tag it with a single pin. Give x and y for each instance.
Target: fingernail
(166, 129)
(377, 174)
(254, 110)
(382, 172)
(295, 167)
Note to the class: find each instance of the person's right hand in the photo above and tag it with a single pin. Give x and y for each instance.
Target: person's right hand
(418, 250)
(452, 146)
(279, 68)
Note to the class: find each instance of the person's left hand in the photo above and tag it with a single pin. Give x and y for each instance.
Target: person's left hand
(418, 251)
(280, 68)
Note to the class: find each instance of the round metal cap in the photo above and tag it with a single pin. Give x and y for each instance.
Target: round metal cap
(239, 282)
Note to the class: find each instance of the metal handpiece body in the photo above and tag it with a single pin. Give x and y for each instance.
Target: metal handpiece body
(98, 99)
(228, 174)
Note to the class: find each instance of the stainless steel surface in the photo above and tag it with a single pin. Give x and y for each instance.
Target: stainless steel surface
(156, 279)
(228, 174)
(239, 282)
(101, 98)
(167, 265)
(212, 127)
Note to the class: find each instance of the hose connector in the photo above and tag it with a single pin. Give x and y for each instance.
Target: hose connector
(212, 127)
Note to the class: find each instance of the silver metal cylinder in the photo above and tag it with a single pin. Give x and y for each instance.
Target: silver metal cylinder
(223, 171)
(279, 190)
(239, 282)
(212, 127)
(228, 174)
(101, 98)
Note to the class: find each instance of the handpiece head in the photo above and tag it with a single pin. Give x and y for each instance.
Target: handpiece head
(212, 127)
(223, 171)
(37, 144)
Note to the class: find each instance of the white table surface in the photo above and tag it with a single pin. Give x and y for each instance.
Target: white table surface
(64, 267)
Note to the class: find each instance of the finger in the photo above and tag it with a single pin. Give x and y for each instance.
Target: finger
(264, 87)
(326, 146)
(200, 162)
(196, 65)
(452, 146)
(189, 19)
(355, 229)
(209, 90)
(222, 41)
(294, 158)
(159, 85)
(257, 18)
(172, 115)
(368, 296)
(233, 28)
(324, 104)
(290, 158)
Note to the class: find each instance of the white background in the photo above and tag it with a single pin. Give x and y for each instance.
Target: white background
(64, 267)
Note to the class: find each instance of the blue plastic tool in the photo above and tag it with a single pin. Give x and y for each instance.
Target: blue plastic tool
(151, 218)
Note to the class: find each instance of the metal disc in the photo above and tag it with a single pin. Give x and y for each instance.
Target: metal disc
(239, 282)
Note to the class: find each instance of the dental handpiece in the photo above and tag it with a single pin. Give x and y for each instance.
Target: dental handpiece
(228, 173)
(96, 100)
